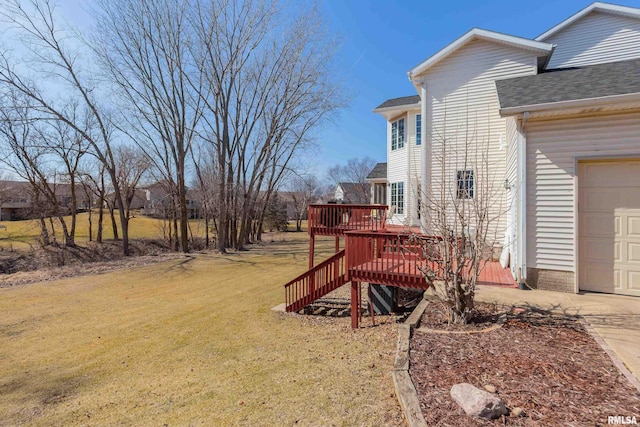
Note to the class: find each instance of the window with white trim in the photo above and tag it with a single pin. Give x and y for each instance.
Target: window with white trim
(397, 134)
(397, 196)
(465, 184)
(418, 129)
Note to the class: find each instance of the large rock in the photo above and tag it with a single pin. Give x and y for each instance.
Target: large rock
(478, 403)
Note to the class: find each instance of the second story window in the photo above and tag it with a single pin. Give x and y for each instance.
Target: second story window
(418, 129)
(397, 134)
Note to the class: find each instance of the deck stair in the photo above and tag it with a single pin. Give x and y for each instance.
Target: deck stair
(315, 283)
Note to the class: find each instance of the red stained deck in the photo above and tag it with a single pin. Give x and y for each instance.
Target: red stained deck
(396, 274)
(374, 252)
(396, 258)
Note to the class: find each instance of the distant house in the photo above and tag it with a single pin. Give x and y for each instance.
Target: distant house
(17, 201)
(378, 181)
(295, 203)
(156, 201)
(352, 192)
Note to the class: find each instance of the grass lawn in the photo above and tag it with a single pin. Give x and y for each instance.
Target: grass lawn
(189, 342)
(21, 234)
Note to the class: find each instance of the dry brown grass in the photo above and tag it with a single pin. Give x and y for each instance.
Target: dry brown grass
(189, 341)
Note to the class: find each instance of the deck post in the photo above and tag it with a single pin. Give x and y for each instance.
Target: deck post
(312, 247)
(373, 315)
(337, 244)
(312, 278)
(355, 303)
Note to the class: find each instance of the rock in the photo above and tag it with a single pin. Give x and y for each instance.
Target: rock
(478, 403)
(517, 412)
(490, 388)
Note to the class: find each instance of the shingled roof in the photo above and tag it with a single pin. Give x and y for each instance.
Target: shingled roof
(397, 102)
(379, 171)
(594, 81)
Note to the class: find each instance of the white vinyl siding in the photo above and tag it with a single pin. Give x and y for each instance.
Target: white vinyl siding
(513, 179)
(404, 166)
(463, 110)
(552, 149)
(595, 39)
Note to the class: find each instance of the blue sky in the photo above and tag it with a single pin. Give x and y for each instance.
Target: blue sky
(382, 40)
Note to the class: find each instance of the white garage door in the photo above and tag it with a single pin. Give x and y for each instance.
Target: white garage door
(609, 222)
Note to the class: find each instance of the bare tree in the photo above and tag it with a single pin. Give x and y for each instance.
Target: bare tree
(354, 172)
(92, 178)
(66, 146)
(16, 126)
(132, 164)
(206, 185)
(33, 150)
(145, 47)
(52, 60)
(304, 190)
(462, 214)
(266, 91)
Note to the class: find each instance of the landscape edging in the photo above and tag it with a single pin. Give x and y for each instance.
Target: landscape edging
(405, 389)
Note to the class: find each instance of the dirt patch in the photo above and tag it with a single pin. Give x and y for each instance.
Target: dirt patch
(548, 365)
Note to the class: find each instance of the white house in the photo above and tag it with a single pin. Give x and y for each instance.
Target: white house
(352, 192)
(559, 120)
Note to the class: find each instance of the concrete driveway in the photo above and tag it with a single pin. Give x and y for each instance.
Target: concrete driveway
(615, 318)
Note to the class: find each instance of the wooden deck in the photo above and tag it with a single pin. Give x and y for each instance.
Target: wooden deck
(374, 252)
(404, 273)
(399, 258)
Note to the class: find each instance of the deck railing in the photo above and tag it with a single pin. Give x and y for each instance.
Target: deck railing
(335, 219)
(317, 282)
(390, 258)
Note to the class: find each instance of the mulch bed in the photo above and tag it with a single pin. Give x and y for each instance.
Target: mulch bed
(546, 364)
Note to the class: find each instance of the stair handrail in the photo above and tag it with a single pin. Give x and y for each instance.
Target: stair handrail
(337, 260)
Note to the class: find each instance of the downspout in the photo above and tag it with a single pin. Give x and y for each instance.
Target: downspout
(408, 208)
(423, 156)
(522, 232)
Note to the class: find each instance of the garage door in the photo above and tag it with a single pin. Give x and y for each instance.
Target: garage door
(609, 221)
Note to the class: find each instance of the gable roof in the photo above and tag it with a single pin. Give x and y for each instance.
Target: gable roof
(587, 84)
(399, 102)
(349, 187)
(379, 171)
(593, 7)
(355, 192)
(543, 49)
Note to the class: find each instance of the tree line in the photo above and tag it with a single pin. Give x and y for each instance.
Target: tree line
(221, 94)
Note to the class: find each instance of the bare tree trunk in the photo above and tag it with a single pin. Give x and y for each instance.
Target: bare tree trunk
(114, 223)
(44, 232)
(54, 240)
(90, 219)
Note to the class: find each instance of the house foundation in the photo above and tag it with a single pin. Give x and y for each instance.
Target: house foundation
(551, 280)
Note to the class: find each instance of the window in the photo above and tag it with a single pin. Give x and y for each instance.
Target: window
(418, 129)
(465, 185)
(397, 196)
(397, 134)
